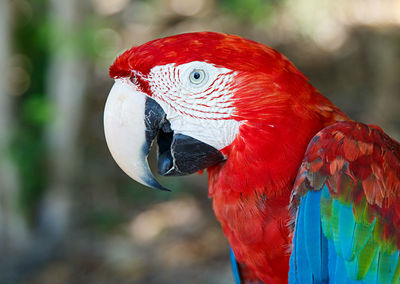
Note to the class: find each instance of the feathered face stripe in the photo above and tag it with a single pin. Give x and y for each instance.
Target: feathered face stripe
(210, 99)
(197, 98)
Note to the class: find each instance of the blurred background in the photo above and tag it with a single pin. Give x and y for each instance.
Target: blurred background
(68, 214)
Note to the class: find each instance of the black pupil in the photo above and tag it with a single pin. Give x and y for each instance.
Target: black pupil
(196, 75)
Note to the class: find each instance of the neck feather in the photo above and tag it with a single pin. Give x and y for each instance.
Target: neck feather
(266, 154)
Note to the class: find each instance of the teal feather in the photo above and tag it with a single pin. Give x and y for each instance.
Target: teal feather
(347, 225)
(387, 266)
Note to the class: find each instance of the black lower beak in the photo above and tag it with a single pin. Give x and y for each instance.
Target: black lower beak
(178, 154)
(186, 155)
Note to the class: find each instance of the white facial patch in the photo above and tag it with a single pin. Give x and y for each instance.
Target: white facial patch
(198, 100)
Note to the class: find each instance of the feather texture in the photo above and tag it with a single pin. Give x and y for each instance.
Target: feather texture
(357, 205)
(344, 217)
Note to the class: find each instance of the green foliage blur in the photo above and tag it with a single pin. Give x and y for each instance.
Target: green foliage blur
(28, 148)
(251, 11)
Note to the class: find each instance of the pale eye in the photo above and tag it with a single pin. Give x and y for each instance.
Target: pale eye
(197, 76)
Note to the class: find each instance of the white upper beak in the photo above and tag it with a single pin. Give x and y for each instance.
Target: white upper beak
(124, 127)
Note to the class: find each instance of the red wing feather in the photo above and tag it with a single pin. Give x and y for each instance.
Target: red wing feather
(356, 161)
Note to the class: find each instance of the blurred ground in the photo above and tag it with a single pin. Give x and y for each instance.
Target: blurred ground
(67, 213)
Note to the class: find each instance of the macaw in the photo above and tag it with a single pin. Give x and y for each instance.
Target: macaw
(303, 193)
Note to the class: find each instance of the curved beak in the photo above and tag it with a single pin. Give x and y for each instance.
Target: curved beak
(127, 136)
(132, 121)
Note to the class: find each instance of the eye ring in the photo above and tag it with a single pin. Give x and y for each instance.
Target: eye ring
(197, 76)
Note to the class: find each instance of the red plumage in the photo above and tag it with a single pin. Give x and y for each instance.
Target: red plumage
(251, 200)
(280, 113)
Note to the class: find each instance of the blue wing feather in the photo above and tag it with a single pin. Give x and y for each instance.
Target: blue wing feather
(315, 259)
(235, 267)
(316, 244)
(302, 270)
(332, 258)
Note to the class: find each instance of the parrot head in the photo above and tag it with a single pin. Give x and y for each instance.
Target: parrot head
(197, 95)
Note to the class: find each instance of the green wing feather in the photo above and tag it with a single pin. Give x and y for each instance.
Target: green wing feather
(357, 167)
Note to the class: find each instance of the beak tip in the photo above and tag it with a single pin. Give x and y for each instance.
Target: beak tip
(164, 189)
(154, 184)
